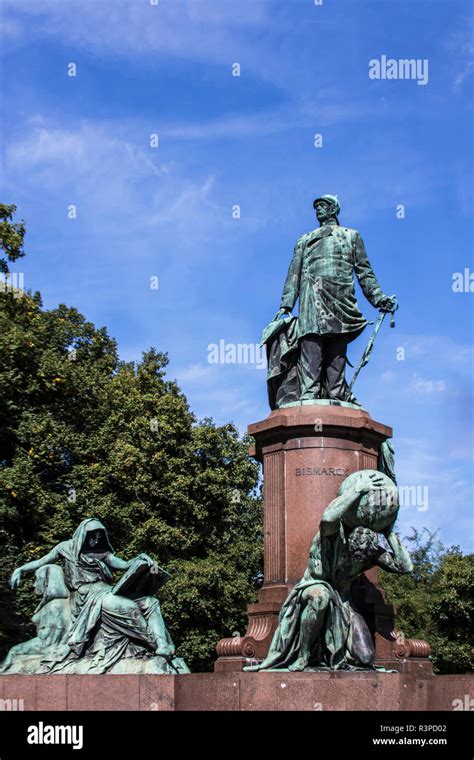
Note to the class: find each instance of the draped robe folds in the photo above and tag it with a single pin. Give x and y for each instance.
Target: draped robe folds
(321, 276)
(105, 626)
(51, 619)
(342, 634)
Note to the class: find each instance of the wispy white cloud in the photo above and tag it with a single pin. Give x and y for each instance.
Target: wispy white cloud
(447, 485)
(200, 29)
(188, 203)
(78, 148)
(101, 169)
(421, 373)
(293, 115)
(460, 45)
(205, 31)
(465, 73)
(423, 385)
(434, 346)
(195, 372)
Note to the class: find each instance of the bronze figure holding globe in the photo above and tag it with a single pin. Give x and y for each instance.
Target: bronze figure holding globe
(320, 626)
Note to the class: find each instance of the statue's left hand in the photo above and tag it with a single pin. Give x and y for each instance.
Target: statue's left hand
(147, 559)
(388, 303)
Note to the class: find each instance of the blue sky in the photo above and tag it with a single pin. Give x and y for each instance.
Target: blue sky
(249, 140)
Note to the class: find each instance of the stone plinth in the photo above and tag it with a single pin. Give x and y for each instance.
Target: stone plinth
(270, 690)
(306, 452)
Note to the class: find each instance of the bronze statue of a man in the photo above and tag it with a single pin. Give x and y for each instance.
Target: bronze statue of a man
(321, 276)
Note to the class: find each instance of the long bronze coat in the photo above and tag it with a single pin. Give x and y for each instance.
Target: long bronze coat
(321, 274)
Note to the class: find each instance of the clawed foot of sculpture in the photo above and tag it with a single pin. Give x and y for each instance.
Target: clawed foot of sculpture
(300, 664)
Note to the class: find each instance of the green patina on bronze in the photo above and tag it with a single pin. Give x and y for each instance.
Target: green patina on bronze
(86, 623)
(319, 626)
(307, 354)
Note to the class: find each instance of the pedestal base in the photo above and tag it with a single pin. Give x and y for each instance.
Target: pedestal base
(307, 451)
(369, 691)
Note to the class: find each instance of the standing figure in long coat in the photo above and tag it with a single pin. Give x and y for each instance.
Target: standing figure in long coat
(321, 275)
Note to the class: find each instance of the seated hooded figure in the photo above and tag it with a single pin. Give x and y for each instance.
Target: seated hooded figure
(52, 618)
(319, 626)
(114, 628)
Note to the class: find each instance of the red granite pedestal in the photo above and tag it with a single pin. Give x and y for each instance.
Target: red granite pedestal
(306, 452)
(268, 690)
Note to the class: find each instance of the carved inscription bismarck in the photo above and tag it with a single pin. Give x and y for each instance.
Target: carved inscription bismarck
(341, 472)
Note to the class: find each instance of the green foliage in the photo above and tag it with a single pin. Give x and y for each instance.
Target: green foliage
(11, 236)
(82, 434)
(436, 601)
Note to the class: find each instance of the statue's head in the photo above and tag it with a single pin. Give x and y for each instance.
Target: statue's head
(327, 207)
(363, 544)
(95, 538)
(90, 536)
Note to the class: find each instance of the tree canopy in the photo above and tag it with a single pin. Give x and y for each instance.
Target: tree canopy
(11, 237)
(436, 601)
(83, 434)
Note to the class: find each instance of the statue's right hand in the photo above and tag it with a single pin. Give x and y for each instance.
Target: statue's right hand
(282, 312)
(374, 481)
(15, 578)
